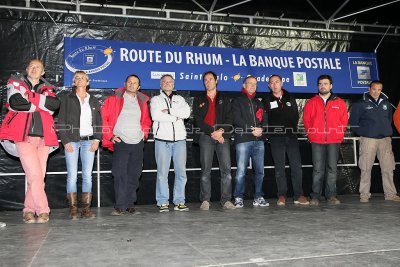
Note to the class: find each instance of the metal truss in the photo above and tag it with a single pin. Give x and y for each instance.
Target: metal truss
(206, 16)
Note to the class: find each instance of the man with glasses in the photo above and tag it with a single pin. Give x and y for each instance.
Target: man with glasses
(168, 110)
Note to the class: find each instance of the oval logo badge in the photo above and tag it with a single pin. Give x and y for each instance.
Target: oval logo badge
(89, 58)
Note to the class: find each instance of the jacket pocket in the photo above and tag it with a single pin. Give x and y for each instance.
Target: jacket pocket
(9, 120)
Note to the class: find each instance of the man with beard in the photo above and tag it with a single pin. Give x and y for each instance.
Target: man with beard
(325, 119)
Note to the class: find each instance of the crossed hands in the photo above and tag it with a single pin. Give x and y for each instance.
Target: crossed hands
(257, 132)
(217, 135)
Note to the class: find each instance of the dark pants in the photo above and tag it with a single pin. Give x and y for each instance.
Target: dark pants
(127, 165)
(280, 146)
(207, 148)
(325, 158)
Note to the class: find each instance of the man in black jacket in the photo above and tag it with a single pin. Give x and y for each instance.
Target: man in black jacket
(213, 123)
(283, 116)
(249, 121)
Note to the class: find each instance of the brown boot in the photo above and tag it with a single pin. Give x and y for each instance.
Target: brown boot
(73, 205)
(86, 200)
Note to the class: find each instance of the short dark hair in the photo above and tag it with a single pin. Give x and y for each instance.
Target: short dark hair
(248, 77)
(132, 75)
(210, 72)
(275, 75)
(167, 75)
(323, 77)
(375, 82)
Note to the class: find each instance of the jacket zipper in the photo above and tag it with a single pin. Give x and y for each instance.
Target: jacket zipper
(158, 127)
(26, 125)
(169, 112)
(253, 114)
(326, 133)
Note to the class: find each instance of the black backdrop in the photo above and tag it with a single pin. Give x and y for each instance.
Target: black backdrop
(26, 35)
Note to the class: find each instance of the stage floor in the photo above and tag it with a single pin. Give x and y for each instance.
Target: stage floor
(350, 234)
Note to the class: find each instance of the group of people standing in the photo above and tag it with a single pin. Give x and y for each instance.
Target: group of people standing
(123, 123)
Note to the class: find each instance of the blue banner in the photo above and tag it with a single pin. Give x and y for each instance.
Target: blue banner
(108, 63)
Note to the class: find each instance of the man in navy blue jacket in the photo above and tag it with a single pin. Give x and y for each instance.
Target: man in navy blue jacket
(371, 119)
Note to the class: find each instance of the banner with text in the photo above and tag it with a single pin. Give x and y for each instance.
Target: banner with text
(108, 63)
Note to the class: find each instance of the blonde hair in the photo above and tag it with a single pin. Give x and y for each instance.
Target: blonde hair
(80, 72)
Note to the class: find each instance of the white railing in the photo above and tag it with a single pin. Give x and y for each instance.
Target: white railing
(98, 171)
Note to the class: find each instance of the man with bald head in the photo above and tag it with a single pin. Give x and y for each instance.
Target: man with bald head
(31, 102)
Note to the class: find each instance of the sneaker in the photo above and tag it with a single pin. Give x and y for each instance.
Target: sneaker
(2, 225)
(29, 217)
(281, 201)
(205, 205)
(260, 202)
(364, 198)
(163, 208)
(43, 218)
(302, 200)
(314, 202)
(393, 198)
(117, 212)
(181, 207)
(333, 201)
(229, 205)
(238, 202)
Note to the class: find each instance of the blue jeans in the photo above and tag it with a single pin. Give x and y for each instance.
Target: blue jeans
(245, 151)
(325, 158)
(280, 147)
(81, 148)
(164, 151)
(207, 148)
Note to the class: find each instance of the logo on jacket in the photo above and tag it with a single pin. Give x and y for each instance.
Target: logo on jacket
(385, 107)
(288, 104)
(89, 58)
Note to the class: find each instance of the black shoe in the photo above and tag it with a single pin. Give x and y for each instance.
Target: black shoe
(117, 212)
(131, 210)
